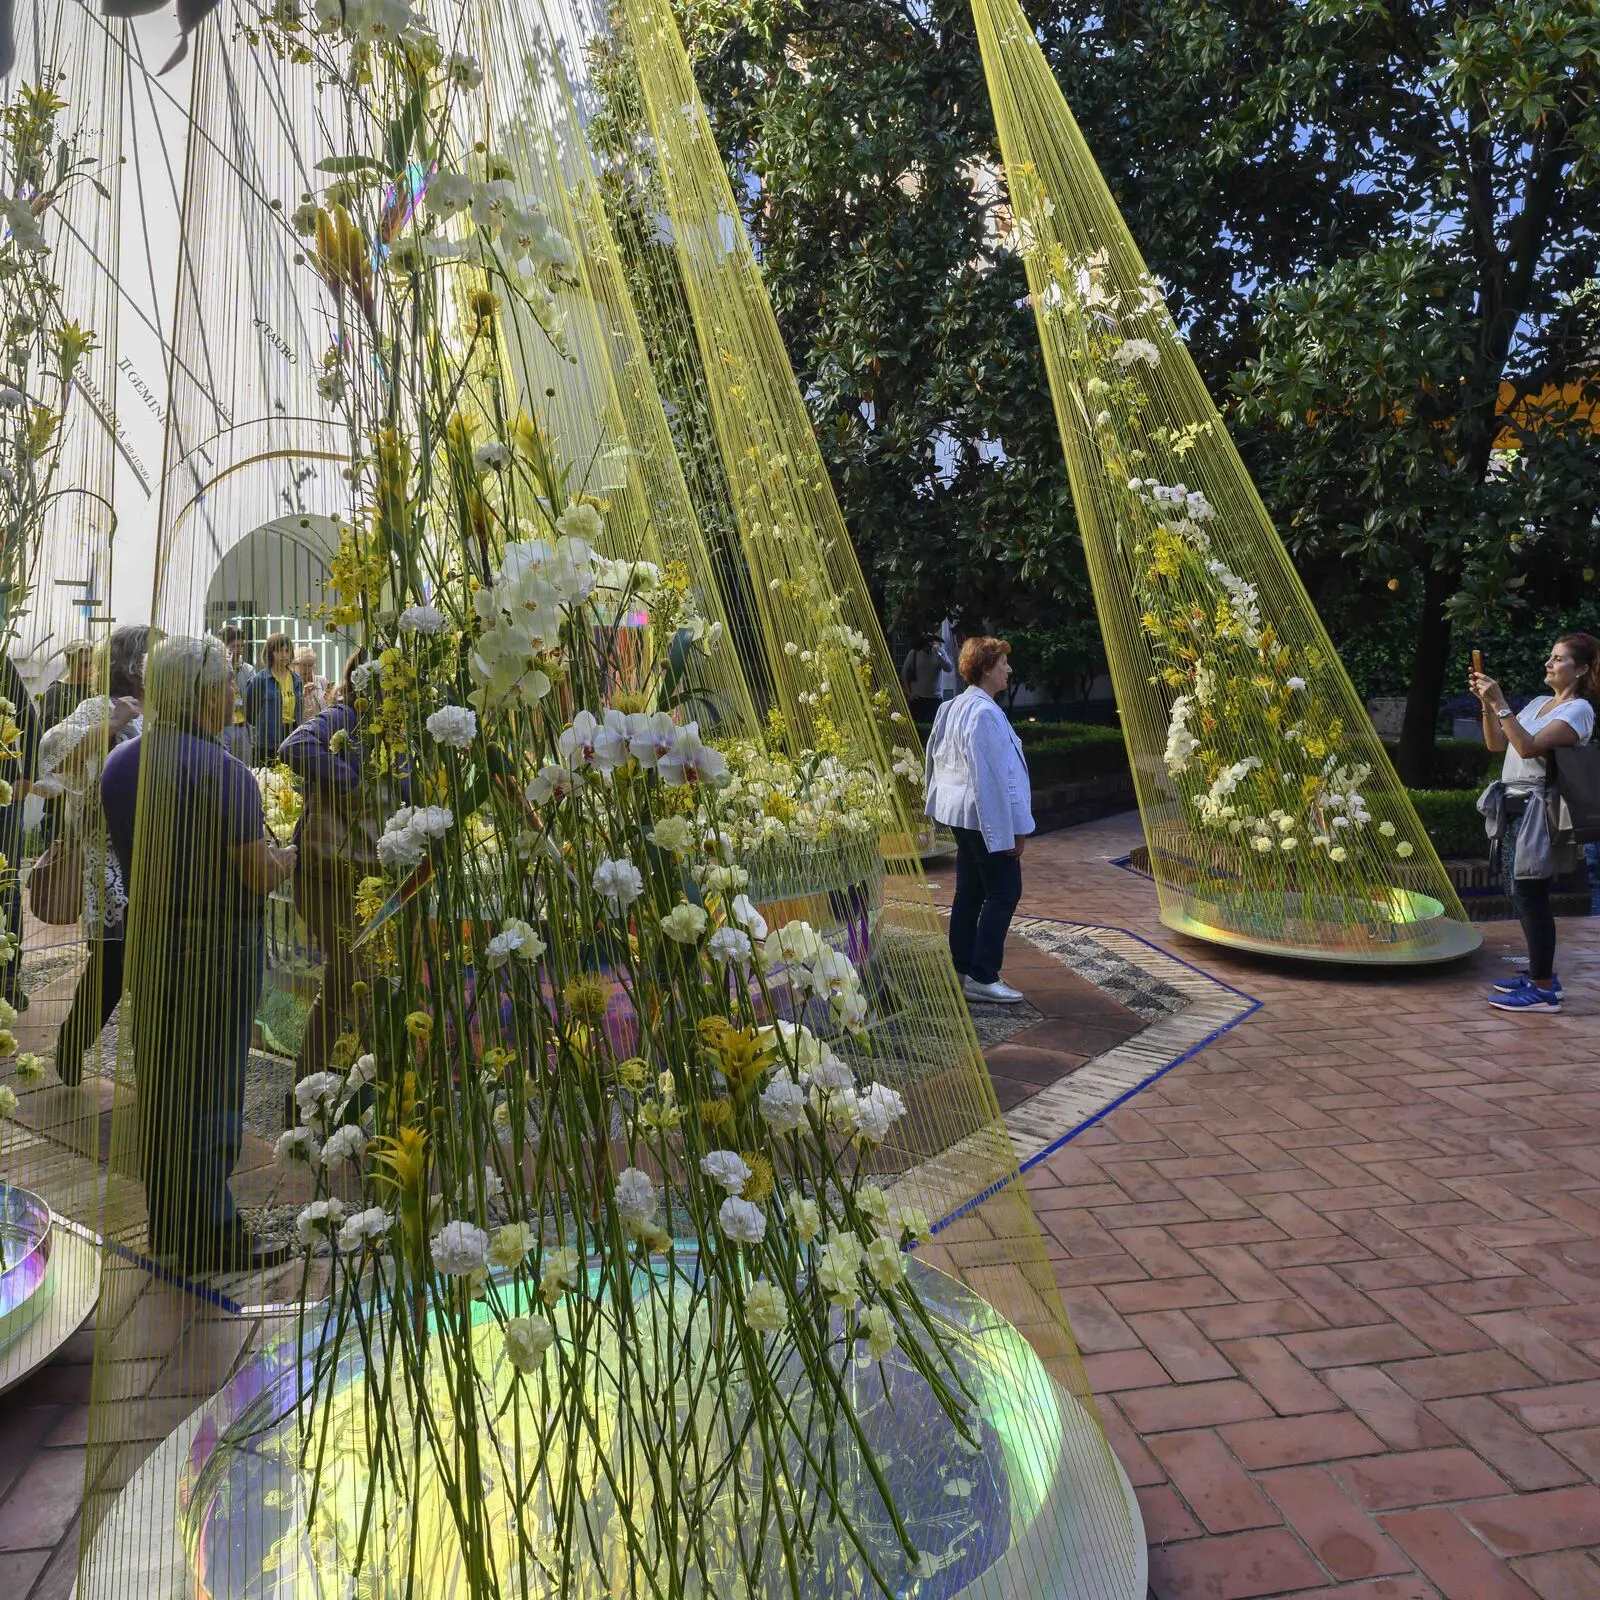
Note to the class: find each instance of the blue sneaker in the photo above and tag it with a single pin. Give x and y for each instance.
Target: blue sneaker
(1512, 984)
(1527, 998)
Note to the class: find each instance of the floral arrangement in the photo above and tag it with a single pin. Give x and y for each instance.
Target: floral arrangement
(281, 800)
(41, 353)
(1255, 743)
(41, 348)
(594, 1106)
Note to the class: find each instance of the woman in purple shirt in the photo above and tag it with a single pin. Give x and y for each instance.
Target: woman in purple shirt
(338, 846)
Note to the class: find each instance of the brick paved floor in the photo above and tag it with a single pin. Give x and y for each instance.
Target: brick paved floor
(1335, 1279)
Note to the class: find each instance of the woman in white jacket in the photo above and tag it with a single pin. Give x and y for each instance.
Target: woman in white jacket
(978, 788)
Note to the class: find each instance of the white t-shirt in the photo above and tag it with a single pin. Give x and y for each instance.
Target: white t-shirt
(1521, 775)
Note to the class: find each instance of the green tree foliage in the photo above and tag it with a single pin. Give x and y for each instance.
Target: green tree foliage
(1381, 215)
(1370, 218)
(861, 132)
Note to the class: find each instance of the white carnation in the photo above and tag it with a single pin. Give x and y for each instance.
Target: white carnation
(729, 944)
(422, 619)
(348, 1143)
(618, 881)
(727, 1168)
(783, 1104)
(363, 1228)
(516, 938)
(321, 1216)
(636, 1199)
(742, 1222)
(456, 726)
(460, 1249)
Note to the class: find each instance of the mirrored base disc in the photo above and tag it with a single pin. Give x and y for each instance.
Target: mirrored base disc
(1081, 1537)
(1411, 931)
(64, 1294)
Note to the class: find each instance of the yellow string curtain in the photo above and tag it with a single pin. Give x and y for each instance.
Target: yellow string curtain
(60, 143)
(1273, 816)
(574, 1171)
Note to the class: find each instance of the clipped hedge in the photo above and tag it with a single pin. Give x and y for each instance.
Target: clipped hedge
(1459, 764)
(1067, 752)
(1070, 752)
(1450, 819)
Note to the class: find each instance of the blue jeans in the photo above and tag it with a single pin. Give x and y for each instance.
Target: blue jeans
(192, 1055)
(988, 887)
(1591, 854)
(1530, 899)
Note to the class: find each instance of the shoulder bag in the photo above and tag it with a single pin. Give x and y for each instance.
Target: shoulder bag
(1577, 779)
(55, 885)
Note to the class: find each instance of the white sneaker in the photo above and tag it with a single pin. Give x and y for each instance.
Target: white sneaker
(996, 993)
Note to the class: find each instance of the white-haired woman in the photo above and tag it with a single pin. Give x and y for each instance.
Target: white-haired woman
(199, 866)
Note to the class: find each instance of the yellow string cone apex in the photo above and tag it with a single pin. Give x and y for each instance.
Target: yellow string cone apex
(1273, 816)
(646, 1223)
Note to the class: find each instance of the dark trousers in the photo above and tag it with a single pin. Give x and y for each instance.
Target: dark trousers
(1530, 899)
(194, 1009)
(326, 902)
(988, 887)
(99, 989)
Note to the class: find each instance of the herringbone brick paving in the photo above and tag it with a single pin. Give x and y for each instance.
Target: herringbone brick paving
(1335, 1278)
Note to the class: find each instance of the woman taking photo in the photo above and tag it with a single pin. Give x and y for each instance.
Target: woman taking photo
(1564, 716)
(978, 788)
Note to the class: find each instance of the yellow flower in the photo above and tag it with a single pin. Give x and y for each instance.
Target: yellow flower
(633, 1074)
(587, 997)
(716, 1113)
(763, 1179)
(401, 1159)
(419, 1025)
(370, 896)
(739, 1054)
(498, 1058)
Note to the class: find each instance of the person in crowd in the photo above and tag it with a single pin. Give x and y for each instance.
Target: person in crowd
(920, 672)
(274, 702)
(337, 845)
(19, 729)
(236, 736)
(71, 755)
(1564, 716)
(77, 682)
(977, 780)
(314, 689)
(198, 874)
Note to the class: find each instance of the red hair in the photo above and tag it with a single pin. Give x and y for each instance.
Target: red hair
(979, 655)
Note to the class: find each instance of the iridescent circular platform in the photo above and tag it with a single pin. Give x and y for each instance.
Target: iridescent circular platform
(1040, 1509)
(49, 1281)
(1402, 928)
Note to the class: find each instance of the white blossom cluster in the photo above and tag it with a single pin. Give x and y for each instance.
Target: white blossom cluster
(523, 610)
(1181, 743)
(408, 833)
(1179, 509)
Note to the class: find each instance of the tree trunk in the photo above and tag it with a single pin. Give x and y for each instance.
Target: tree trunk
(1414, 759)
